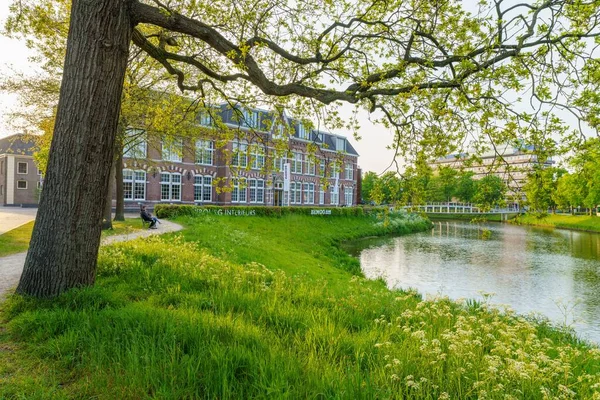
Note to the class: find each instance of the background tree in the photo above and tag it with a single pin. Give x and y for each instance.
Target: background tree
(465, 186)
(368, 183)
(490, 191)
(442, 186)
(431, 71)
(540, 186)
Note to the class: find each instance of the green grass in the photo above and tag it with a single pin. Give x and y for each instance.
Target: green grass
(576, 222)
(266, 307)
(17, 240)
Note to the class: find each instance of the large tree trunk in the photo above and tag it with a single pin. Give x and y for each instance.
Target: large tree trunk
(120, 205)
(64, 245)
(107, 214)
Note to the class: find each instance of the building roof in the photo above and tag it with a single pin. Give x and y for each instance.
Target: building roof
(268, 121)
(18, 144)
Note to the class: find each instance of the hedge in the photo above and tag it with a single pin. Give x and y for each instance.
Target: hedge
(173, 210)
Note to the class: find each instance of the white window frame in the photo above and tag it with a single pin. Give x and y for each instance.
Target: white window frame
(202, 188)
(205, 150)
(333, 170)
(170, 184)
(19, 167)
(239, 153)
(348, 196)
(303, 132)
(308, 194)
(136, 149)
(321, 196)
(334, 196)
(239, 193)
(130, 177)
(322, 168)
(257, 155)
(205, 119)
(169, 153)
(310, 165)
(250, 118)
(296, 167)
(349, 173)
(340, 144)
(21, 188)
(256, 191)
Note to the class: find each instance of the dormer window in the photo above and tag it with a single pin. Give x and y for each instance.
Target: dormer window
(206, 119)
(303, 132)
(340, 144)
(250, 119)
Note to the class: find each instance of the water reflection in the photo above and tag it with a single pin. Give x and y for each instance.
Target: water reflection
(529, 269)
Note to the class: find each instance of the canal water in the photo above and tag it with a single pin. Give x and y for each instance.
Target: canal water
(555, 273)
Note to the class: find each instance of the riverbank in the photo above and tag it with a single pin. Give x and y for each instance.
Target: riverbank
(575, 222)
(465, 217)
(246, 307)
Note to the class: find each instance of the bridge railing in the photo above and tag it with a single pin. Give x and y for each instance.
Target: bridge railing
(459, 208)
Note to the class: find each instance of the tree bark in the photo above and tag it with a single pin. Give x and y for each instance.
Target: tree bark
(107, 215)
(64, 245)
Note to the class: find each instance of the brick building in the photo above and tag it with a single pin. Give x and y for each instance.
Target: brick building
(244, 168)
(20, 179)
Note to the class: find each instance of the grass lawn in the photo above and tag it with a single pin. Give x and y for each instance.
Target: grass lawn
(577, 222)
(270, 307)
(17, 240)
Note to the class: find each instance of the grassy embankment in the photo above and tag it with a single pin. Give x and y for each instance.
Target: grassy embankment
(267, 307)
(17, 240)
(576, 222)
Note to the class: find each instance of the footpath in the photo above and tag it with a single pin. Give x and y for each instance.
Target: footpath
(12, 266)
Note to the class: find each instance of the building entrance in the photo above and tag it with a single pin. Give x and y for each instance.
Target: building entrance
(278, 197)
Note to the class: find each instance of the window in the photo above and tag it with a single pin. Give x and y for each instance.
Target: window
(349, 171)
(279, 131)
(134, 185)
(170, 186)
(257, 190)
(340, 144)
(1, 190)
(309, 193)
(22, 168)
(333, 170)
(348, 191)
(333, 196)
(250, 119)
(135, 144)
(257, 155)
(238, 194)
(310, 165)
(39, 184)
(21, 184)
(240, 154)
(39, 172)
(278, 163)
(204, 152)
(296, 192)
(296, 167)
(303, 132)
(205, 119)
(173, 151)
(322, 196)
(203, 188)
(322, 168)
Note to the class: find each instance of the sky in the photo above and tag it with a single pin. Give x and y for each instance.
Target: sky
(14, 57)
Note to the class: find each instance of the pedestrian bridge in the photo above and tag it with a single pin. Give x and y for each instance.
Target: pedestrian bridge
(464, 208)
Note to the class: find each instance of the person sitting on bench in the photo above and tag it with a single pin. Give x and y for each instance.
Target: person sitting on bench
(146, 216)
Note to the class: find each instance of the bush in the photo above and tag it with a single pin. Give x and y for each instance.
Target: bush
(171, 210)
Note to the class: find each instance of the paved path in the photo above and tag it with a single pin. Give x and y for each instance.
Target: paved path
(12, 266)
(13, 217)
